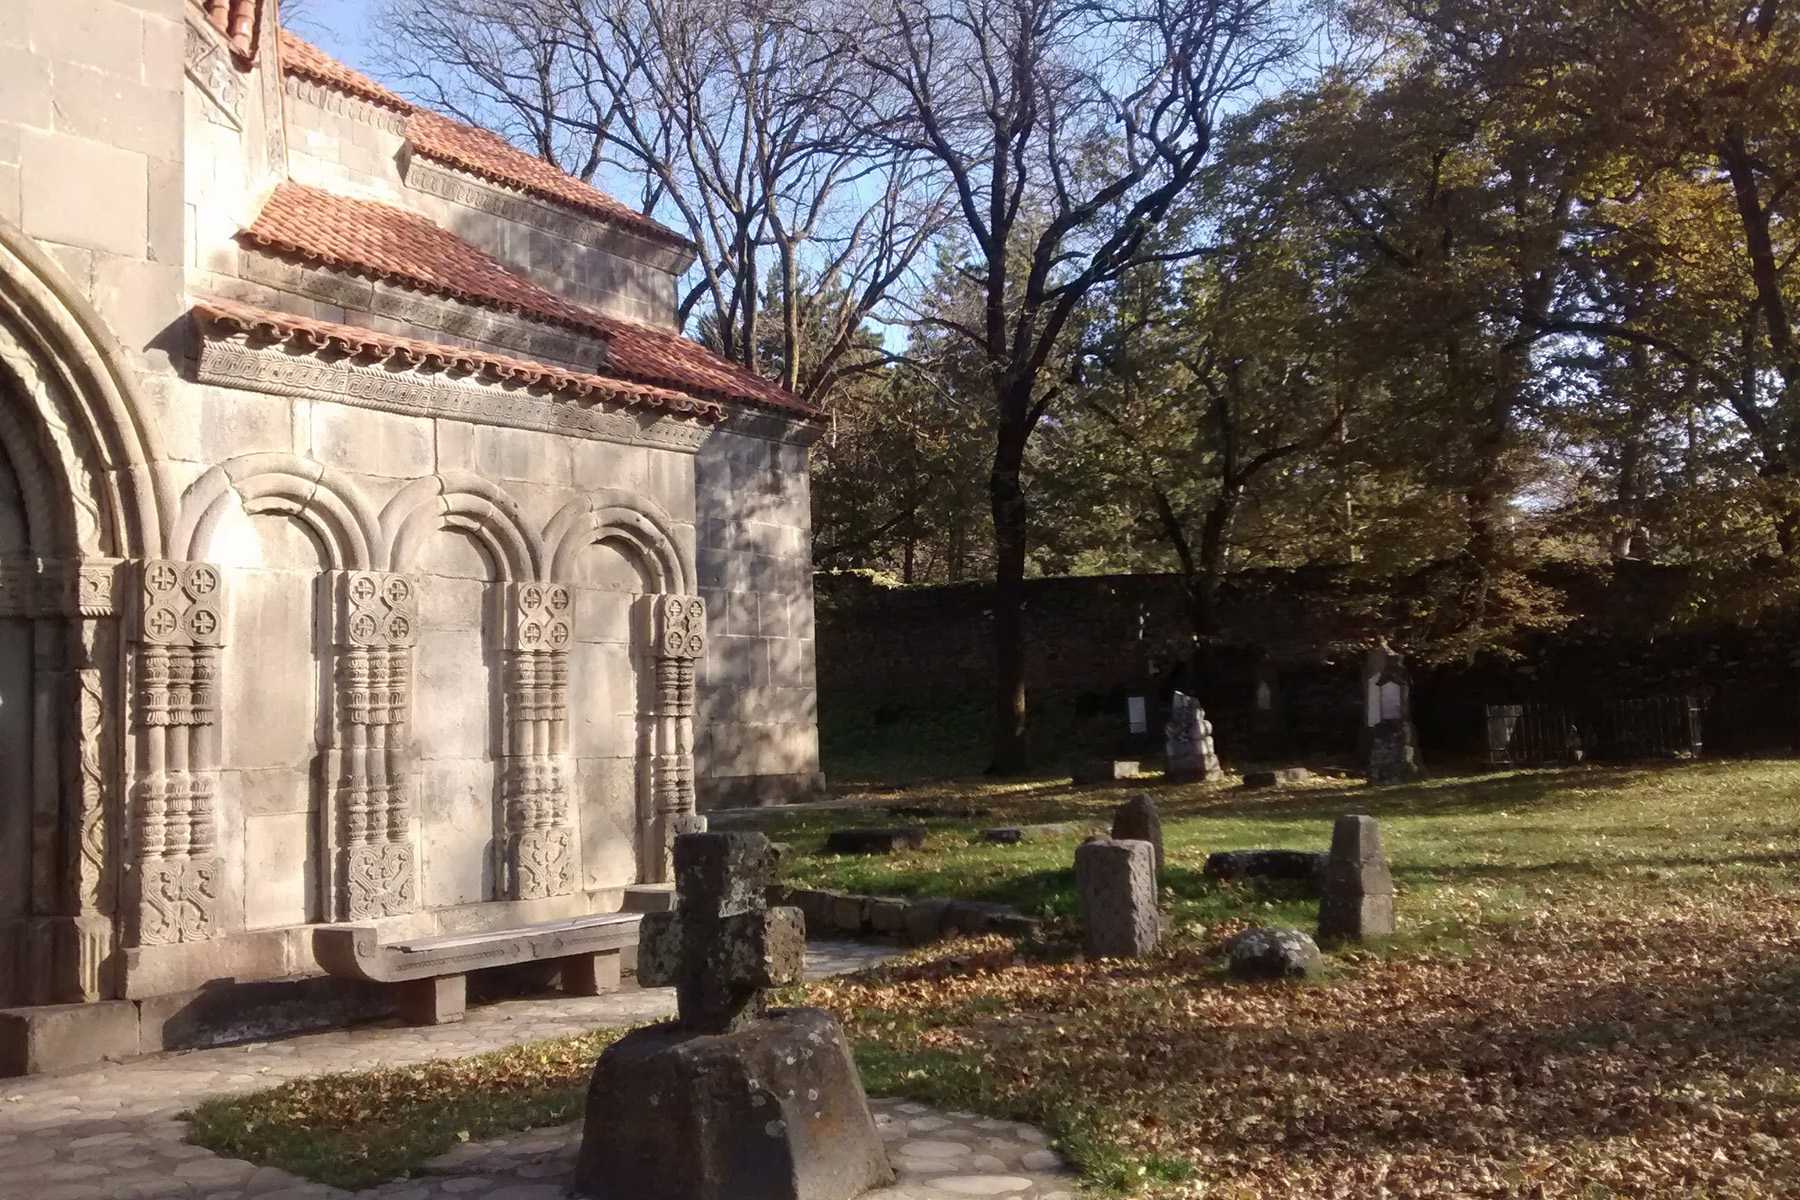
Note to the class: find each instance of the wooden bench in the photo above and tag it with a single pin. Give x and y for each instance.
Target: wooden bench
(432, 973)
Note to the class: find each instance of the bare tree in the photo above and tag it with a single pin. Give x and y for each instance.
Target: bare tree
(714, 107)
(1068, 132)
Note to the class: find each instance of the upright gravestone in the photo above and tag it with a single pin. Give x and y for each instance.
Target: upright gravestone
(1117, 884)
(1357, 899)
(1393, 743)
(731, 1101)
(1136, 820)
(1188, 742)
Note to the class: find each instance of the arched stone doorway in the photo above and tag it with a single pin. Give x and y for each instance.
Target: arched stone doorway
(77, 496)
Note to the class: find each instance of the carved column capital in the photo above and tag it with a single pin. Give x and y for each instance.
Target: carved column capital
(680, 630)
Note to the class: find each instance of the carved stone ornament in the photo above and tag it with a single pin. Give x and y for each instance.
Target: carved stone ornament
(541, 617)
(377, 609)
(680, 627)
(182, 604)
(37, 587)
(209, 66)
(176, 900)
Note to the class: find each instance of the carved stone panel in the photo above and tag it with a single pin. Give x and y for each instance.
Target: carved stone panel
(679, 637)
(376, 624)
(538, 841)
(180, 630)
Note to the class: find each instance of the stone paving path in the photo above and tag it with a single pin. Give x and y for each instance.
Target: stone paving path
(111, 1133)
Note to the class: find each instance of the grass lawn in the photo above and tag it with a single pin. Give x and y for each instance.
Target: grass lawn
(1596, 993)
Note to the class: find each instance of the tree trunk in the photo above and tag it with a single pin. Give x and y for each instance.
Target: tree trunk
(1006, 493)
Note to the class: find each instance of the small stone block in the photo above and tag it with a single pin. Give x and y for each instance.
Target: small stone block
(1137, 820)
(875, 841)
(591, 974)
(1307, 866)
(1358, 899)
(437, 1001)
(53, 1037)
(723, 873)
(925, 920)
(1278, 777)
(1117, 885)
(847, 914)
(887, 916)
(1107, 770)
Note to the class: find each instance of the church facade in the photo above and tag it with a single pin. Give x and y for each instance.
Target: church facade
(373, 548)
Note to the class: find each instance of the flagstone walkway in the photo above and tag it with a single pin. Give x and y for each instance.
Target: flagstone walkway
(111, 1132)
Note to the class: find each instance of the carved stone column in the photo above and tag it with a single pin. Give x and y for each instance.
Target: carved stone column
(538, 843)
(376, 618)
(680, 640)
(181, 628)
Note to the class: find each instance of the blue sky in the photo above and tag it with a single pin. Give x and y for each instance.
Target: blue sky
(340, 28)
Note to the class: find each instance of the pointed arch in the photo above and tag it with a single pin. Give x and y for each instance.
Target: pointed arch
(466, 501)
(324, 499)
(93, 434)
(608, 514)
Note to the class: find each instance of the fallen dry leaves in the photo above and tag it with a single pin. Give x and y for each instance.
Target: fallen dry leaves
(1586, 1052)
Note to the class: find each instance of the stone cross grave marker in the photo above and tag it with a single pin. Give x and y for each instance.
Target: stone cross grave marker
(1188, 742)
(722, 946)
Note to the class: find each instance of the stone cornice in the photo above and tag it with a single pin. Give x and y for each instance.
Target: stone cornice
(341, 103)
(773, 427)
(422, 392)
(471, 191)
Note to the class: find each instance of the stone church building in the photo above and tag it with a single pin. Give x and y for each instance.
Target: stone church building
(373, 548)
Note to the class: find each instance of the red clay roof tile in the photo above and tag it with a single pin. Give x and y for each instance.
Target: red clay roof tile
(238, 21)
(477, 151)
(391, 243)
(313, 334)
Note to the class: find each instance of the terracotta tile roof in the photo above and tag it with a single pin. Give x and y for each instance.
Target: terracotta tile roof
(313, 335)
(378, 239)
(237, 20)
(403, 247)
(477, 151)
(302, 58)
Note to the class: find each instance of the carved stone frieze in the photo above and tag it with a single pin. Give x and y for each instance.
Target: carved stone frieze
(228, 362)
(333, 101)
(209, 66)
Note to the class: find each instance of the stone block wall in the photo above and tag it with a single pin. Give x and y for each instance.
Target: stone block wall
(758, 735)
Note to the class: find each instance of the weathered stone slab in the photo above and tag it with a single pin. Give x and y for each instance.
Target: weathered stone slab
(1137, 820)
(1011, 835)
(1107, 770)
(1305, 865)
(1117, 885)
(53, 1037)
(774, 1112)
(1273, 954)
(1358, 896)
(1278, 777)
(1188, 742)
(875, 841)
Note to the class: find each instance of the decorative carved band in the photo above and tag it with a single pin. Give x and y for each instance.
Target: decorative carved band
(419, 392)
(180, 629)
(376, 626)
(41, 587)
(539, 838)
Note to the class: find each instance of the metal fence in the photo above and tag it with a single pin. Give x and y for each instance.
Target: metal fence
(1604, 731)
